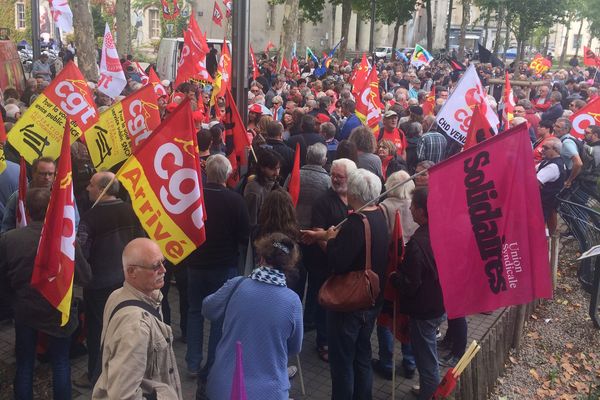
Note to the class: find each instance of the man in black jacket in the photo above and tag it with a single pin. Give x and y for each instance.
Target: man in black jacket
(275, 141)
(103, 233)
(33, 313)
(421, 297)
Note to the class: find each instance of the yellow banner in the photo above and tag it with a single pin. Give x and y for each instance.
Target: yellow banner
(108, 141)
(174, 243)
(2, 158)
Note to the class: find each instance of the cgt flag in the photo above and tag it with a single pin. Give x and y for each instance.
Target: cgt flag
(540, 64)
(479, 129)
(588, 115)
(487, 229)
(162, 178)
(112, 79)
(159, 89)
(122, 128)
(455, 116)
(62, 15)
(39, 131)
(589, 57)
(54, 264)
(217, 15)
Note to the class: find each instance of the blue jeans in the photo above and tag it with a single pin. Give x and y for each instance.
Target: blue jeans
(385, 338)
(423, 340)
(201, 284)
(349, 339)
(58, 351)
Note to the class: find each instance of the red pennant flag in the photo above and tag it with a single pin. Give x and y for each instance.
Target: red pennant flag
(368, 103)
(228, 5)
(159, 89)
(589, 57)
(255, 72)
(509, 103)
(270, 45)
(20, 214)
(479, 129)
(235, 132)
(429, 103)
(361, 73)
(54, 264)
(295, 67)
(163, 179)
(217, 15)
(224, 69)
(284, 65)
(488, 199)
(294, 185)
(588, 115)
(238, 386)
(144, 78)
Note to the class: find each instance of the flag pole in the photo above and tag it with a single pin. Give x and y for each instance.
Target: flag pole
(376, 199)
(112, 180)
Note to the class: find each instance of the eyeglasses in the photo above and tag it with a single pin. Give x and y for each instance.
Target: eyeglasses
(155, 268)
(46, 173)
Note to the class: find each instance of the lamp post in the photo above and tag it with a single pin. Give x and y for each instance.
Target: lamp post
(35, 28)
(240, 33)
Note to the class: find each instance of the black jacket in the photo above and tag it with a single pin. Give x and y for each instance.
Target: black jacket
(286, 153)
(417, 279)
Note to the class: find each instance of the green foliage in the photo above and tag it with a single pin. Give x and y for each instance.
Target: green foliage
(7, 20)
(528, 15)
(99, 20)
(179, 24)
(591, 10)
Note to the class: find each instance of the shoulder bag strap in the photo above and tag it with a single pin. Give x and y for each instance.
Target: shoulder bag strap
(237, 284)
(367, 241)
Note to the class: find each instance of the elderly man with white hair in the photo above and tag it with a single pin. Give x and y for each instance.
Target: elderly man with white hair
(138, 360)
(551, 177)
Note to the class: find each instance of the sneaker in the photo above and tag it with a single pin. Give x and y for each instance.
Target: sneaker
(385, 373)
(83, 381)
(292, 370)
(416, 389)
(449, 361)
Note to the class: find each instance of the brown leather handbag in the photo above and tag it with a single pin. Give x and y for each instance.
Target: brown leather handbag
(355, 290)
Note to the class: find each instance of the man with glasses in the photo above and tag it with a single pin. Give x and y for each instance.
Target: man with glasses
(589, 179)
(138, 360)
(43, 172)
(569, 151)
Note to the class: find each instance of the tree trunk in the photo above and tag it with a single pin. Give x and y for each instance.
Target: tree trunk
(506, 37)
(289, 29)
(499, 22)
(429, 25)
(547, 44)
(395, 39)
(486, 24)
(563, 53)
(449, 24)
(123, 17)
(346, 15)
(466, 16)
(85, 42)
(580, 41)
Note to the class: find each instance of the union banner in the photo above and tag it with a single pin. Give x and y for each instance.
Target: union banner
(39, 131)
(122, 128)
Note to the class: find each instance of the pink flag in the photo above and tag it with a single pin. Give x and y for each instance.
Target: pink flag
(487, 228)
(238, 387)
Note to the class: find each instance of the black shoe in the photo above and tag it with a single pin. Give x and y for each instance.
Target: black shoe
(381, 370)
(444, 345)
(409, 373)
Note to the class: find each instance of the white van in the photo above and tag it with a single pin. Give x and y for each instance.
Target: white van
(169, 50)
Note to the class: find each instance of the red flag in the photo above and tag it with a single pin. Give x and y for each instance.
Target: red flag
(429, 103)
(479, 129)
(224, 69)
(167, 14)
(217, 14)
(360, 76)
(447, 386)
(228, 6)
(488, 200)
(192, 61)
(270, 45)
(368, 103)
(238, 387)
(55, 259)
(284, 65)
(589, 57)
(255, 72)
(159, 89)
(588, 115)
(163, 179)
(235, 132)
(540, 64)
(186, 67)
(20, 212)
(509, 103)
(294, 185)
(295, 67)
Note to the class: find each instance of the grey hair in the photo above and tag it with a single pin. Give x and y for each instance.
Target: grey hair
(328, 130)
(349, 165)
(363, 185)
(218, 169)
(566, 122)
(555, 143)
(363, 138)
(403, 191)
(316, 154)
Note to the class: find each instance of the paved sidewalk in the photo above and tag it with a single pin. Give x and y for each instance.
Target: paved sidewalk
(316, 372)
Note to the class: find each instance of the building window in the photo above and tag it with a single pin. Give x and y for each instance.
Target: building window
(20, 16)
(153, 23)
(577, 41)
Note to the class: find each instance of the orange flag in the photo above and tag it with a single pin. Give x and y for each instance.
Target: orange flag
(429, 103)
(54, 264)
(163, 179)
(20, 214)
(294, 185)
(479, 129)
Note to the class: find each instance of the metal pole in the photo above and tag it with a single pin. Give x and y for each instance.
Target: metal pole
(372, 34)
(240, 39)
(35, 28)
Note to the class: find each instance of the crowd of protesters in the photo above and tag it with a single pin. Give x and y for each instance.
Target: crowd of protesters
(254, 230)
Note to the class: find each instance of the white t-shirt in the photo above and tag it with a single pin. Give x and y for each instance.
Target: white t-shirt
(549, 173)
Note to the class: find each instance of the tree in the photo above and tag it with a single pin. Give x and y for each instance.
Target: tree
(449, 24)
(84, 39)
(429, 24)
(123, 17)
(466, 16)
(290, 28)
